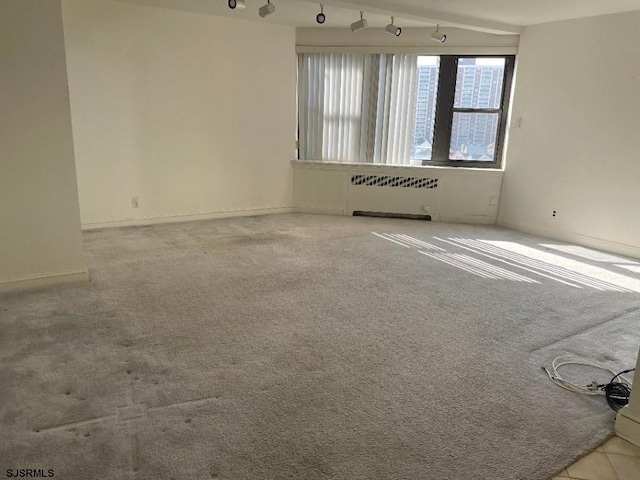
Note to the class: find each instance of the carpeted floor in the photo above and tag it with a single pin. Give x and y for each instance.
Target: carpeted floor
(308, 347)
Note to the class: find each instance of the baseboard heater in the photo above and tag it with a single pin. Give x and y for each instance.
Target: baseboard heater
(410, 216)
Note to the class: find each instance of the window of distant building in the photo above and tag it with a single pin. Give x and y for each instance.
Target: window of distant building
(402, 109)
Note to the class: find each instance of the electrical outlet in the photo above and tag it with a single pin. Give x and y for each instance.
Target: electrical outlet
(492, 200)
(135, 202)
(425, 208)
(516, 122)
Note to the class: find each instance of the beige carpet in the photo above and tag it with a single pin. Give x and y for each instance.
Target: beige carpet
(308, 347)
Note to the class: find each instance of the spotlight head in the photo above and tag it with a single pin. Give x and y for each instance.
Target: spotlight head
(392, 29)
(233, 4)
(437, 36)
(360, 24)
(321, 17)
(266, 9)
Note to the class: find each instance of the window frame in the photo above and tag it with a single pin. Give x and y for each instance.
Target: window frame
(445, 109)
(444, 112)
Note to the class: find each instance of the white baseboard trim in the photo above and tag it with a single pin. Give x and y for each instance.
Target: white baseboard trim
(45, 280)
(565, 236)
(184, 217)
(468, 219)
(319, 210)
(628, 427)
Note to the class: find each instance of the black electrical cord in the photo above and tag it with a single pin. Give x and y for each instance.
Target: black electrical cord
(616, 392)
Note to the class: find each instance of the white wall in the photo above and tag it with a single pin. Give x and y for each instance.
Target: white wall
(40, 238)
(192, 113)
(463, 195)
(412, 40)
(578, 150)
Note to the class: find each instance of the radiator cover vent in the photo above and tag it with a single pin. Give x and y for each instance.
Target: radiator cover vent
(386, 181)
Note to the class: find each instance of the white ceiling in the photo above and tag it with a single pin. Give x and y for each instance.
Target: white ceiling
(495, 16)
(523, 12)
(294, 13)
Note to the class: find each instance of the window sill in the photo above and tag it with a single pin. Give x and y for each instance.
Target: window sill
(462, 170)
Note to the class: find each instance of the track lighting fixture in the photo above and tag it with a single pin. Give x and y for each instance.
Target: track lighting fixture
(321, 17)
(233, 4)
(392, 29)
(266, 9)
(360, 24)
(437, 36)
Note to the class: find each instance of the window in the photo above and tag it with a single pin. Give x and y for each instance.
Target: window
(356, 107)
(428, 69)
(403, 109)
(477, 109)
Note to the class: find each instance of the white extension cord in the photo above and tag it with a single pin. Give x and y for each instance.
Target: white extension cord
(570, 359)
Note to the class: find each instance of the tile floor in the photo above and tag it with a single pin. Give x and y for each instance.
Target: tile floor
(617, 459)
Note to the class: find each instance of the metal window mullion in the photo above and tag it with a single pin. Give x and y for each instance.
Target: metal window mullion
(507, 81)
(444, 109)
(476, 110)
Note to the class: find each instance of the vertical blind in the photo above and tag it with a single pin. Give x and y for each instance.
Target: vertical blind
(356, 107)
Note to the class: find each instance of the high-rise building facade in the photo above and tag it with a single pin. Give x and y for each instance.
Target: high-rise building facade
(425, 104)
